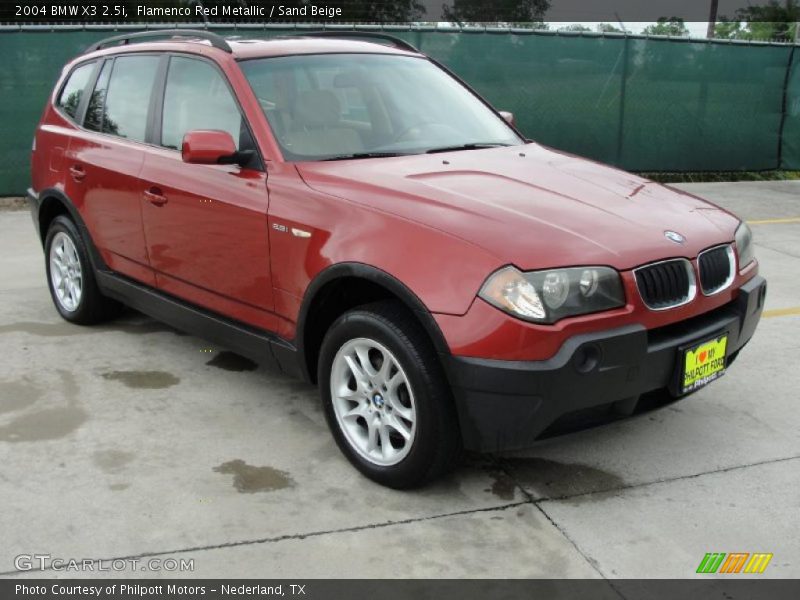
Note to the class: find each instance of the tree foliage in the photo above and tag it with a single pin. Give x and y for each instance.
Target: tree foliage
(575, 27)
(773, 21)
(672, 26)
(609, 28)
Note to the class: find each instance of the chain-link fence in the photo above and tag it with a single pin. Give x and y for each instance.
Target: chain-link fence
(645, 104)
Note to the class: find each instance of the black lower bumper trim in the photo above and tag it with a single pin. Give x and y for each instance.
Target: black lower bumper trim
(506, 405)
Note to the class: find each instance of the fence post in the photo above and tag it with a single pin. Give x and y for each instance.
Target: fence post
(623, 85)
(702, 100)
(784, 104)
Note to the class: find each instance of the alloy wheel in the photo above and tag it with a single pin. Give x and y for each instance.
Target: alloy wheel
(66, 276)
(373, 401)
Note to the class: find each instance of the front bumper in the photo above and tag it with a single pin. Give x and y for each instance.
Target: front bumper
(505, 405)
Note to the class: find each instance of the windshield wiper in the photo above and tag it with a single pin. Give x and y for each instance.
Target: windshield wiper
(472, 146)
(366, 155)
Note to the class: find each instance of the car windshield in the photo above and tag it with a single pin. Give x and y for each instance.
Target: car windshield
(338, 106)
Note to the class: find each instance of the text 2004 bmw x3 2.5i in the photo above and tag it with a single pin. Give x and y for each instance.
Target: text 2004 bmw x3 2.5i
(353, 213)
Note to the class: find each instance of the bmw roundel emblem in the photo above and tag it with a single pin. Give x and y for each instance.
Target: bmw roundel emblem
(674, 236)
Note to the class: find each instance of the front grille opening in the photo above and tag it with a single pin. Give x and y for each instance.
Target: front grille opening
(713, 319)
(716, 269)
(666, 284)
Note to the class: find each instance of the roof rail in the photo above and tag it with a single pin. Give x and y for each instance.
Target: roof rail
(216, 40)
(397, 42)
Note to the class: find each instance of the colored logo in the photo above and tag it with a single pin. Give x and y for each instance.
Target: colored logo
(735, 562)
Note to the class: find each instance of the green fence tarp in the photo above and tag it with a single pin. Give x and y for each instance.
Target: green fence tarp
(640, 103)
(790, 151)
(710, 107)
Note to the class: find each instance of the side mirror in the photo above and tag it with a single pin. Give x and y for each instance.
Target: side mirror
(212, 147)
(508, 117)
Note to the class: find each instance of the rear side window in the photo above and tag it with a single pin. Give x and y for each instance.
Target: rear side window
(127, 99)
(70, 97)
(197, 97)
(95, 112)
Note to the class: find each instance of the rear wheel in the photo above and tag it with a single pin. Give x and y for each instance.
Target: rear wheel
(385, 397)
(70, 277)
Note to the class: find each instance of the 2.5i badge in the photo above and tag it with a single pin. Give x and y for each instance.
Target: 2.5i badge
(703, 363)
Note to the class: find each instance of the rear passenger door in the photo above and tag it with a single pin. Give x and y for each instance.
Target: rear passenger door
(104, 158)
(206, 230)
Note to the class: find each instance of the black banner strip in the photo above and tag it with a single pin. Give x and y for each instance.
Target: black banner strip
(730, 588)
(465, 12)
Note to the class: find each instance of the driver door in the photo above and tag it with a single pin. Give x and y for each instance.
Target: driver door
(206, 225)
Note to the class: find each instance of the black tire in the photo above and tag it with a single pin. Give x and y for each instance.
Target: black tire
(92, 307)
(436, 447)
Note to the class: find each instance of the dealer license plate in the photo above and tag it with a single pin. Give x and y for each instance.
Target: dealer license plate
(703, 363)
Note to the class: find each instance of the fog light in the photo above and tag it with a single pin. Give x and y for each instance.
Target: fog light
(586, 358)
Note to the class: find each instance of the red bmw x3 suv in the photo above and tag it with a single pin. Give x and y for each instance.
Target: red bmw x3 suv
(351, 212)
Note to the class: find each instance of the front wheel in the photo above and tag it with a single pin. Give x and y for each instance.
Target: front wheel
(385, 397)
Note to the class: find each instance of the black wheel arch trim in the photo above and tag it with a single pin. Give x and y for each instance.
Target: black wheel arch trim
(374, 275)
(37, 201)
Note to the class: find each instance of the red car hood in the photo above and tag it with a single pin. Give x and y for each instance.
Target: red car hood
(531, 206)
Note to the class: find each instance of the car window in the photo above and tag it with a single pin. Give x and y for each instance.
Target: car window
(197, 97)
(70, 97)
(95, 112)
(128, 97)
(338, 105)
(350, 96)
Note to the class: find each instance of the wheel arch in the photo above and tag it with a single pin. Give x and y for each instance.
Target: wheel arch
(345, 286)
(54, 202)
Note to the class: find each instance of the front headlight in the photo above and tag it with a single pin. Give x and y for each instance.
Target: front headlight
(744, 245)
(547, 296)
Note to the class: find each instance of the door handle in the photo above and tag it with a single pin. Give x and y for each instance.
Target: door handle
(77, 172)
(155, 196)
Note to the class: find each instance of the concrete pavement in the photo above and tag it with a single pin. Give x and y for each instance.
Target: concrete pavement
(132, 440)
